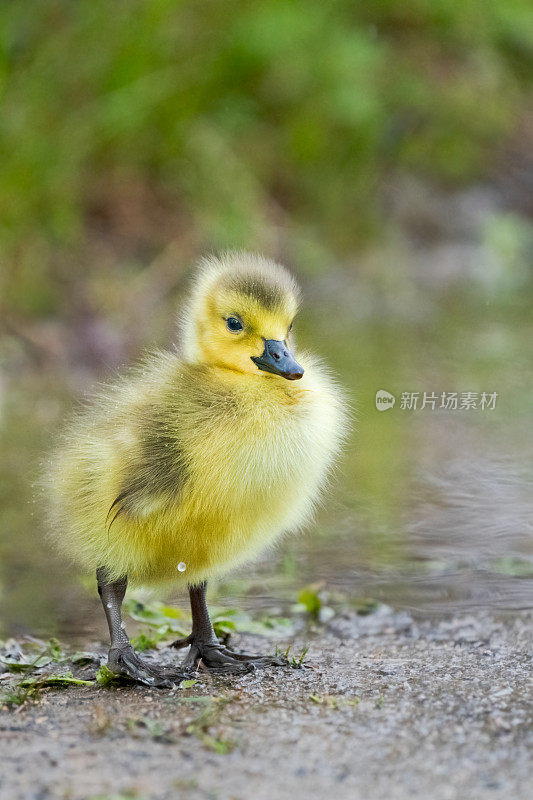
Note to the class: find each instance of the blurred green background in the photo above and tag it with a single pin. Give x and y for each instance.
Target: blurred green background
(383, 152)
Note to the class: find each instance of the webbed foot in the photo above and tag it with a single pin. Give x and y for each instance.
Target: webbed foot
(206, 652)
(216, 657)
(125, 661)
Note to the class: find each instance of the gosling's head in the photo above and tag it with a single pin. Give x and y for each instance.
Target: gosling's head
(239, 316)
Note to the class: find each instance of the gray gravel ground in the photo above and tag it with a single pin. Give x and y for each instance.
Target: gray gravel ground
(387, 709)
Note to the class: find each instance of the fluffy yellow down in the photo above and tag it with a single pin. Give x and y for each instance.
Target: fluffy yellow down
(202, 460)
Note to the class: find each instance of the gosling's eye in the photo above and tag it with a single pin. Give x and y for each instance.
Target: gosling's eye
(234, 325)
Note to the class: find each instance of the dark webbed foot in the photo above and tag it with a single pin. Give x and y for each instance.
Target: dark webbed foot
(125, 661)
(216, 657)
(206, 652)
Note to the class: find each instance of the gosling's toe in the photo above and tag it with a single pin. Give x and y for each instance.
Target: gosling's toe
(126, 662)
(205, 655)
(216, 657)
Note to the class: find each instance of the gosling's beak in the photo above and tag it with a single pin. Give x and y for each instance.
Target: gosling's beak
(277, 358)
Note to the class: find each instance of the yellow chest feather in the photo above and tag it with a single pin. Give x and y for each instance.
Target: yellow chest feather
(252, 475)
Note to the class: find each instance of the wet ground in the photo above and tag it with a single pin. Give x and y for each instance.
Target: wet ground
(385, 707)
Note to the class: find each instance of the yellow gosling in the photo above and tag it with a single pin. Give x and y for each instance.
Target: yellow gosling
(195, 462)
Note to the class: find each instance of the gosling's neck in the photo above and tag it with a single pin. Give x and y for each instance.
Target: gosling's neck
(261, 392)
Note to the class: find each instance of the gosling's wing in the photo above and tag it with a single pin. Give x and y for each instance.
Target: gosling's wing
(155, 468)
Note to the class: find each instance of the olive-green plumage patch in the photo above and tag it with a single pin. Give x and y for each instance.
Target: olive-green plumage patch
(271, 295)
(160, 471)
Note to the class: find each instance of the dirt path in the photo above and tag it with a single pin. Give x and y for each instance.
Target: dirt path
(389, 709)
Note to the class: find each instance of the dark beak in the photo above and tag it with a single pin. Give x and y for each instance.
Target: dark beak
(278, 359)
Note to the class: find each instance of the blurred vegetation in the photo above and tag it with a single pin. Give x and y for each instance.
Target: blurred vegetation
(210, 122)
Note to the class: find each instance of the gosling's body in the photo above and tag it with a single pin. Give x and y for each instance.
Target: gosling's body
(195, 462)
(192, 465)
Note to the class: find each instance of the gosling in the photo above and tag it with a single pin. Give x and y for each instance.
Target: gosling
(195, 462)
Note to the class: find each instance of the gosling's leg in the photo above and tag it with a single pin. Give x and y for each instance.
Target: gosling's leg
(205, 649)
(122, 657)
